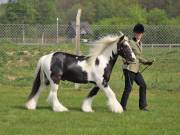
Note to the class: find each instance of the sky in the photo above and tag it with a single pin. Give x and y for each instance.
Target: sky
(3, 1)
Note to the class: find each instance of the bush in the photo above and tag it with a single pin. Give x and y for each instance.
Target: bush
(157, 16)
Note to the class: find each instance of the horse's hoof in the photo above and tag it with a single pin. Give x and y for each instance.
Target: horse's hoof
(60, 109)
(86, 106)
(31, 105)
(87, 109)
(115, 107)
(117, 110)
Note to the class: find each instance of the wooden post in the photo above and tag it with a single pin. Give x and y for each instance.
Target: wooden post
(78, 32)
(42, 39)
(152, 49)
(170, 46)
(57, 31)
(23, 34)
(78, 37)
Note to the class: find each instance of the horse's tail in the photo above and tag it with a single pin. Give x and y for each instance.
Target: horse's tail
(37, 81)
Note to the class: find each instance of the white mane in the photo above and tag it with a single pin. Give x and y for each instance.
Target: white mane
(100, 45)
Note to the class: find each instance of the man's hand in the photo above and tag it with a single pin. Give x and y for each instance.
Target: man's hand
(149, 62)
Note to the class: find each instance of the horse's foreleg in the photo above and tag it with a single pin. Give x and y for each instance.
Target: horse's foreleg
(87, 103)
(53, 99)
(113, 103)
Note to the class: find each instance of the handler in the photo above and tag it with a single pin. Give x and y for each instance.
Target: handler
(132, 73)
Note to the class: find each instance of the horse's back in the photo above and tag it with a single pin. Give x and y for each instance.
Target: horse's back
(65, 65)
(60, 57)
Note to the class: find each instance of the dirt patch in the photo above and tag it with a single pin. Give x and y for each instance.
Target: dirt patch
(11, 78)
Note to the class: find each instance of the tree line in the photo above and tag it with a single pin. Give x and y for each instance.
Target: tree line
(106, 12)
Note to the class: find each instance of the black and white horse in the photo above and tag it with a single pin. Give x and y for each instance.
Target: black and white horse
(95, 68)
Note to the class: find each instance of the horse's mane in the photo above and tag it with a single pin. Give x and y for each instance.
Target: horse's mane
(100, 45)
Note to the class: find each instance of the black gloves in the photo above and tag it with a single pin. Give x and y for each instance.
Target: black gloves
(149, 62)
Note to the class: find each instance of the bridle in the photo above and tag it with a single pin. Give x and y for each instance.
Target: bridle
(120, 47)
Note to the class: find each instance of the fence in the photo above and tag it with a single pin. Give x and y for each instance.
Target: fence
(158, 35)
(18, 62)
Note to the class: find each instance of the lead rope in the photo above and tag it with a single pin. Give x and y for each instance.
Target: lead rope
(145, 68)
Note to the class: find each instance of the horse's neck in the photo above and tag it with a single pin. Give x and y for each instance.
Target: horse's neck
(106, 54)
(111, 59)
(111, 56)
(109, 51)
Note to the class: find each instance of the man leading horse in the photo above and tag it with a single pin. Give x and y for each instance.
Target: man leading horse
(132, 73)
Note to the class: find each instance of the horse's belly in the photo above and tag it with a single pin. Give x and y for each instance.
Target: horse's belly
(76, 76)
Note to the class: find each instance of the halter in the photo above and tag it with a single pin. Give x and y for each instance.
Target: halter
(123, 49)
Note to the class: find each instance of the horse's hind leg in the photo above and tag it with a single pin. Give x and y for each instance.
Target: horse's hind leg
(32, 102)
(87, 103)
(53, 99)
(36, 89)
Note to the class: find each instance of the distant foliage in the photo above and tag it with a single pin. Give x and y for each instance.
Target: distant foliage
(157, 16)
(109, 12)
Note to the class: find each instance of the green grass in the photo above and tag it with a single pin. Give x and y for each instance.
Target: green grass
(162, 119)
(18, 62)
(17, 65)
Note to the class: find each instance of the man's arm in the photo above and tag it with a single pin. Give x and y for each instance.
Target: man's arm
(142, 59)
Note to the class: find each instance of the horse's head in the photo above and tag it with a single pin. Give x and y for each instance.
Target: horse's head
(124, 49)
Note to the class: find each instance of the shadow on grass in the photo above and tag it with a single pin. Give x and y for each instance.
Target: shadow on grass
(75, 109)
(96, 109)
(38, 107)
(71, 108)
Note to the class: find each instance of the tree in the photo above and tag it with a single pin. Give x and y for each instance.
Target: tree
(157, 16)
(99, 11)
(134, 14)
(46, 11)
(21, 11)
(88, 11)
(173, 8)
(151, 4)
(30, 11)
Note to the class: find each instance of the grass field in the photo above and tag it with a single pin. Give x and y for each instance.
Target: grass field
(17, 64)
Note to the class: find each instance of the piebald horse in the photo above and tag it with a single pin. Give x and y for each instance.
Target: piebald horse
(94, 68)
